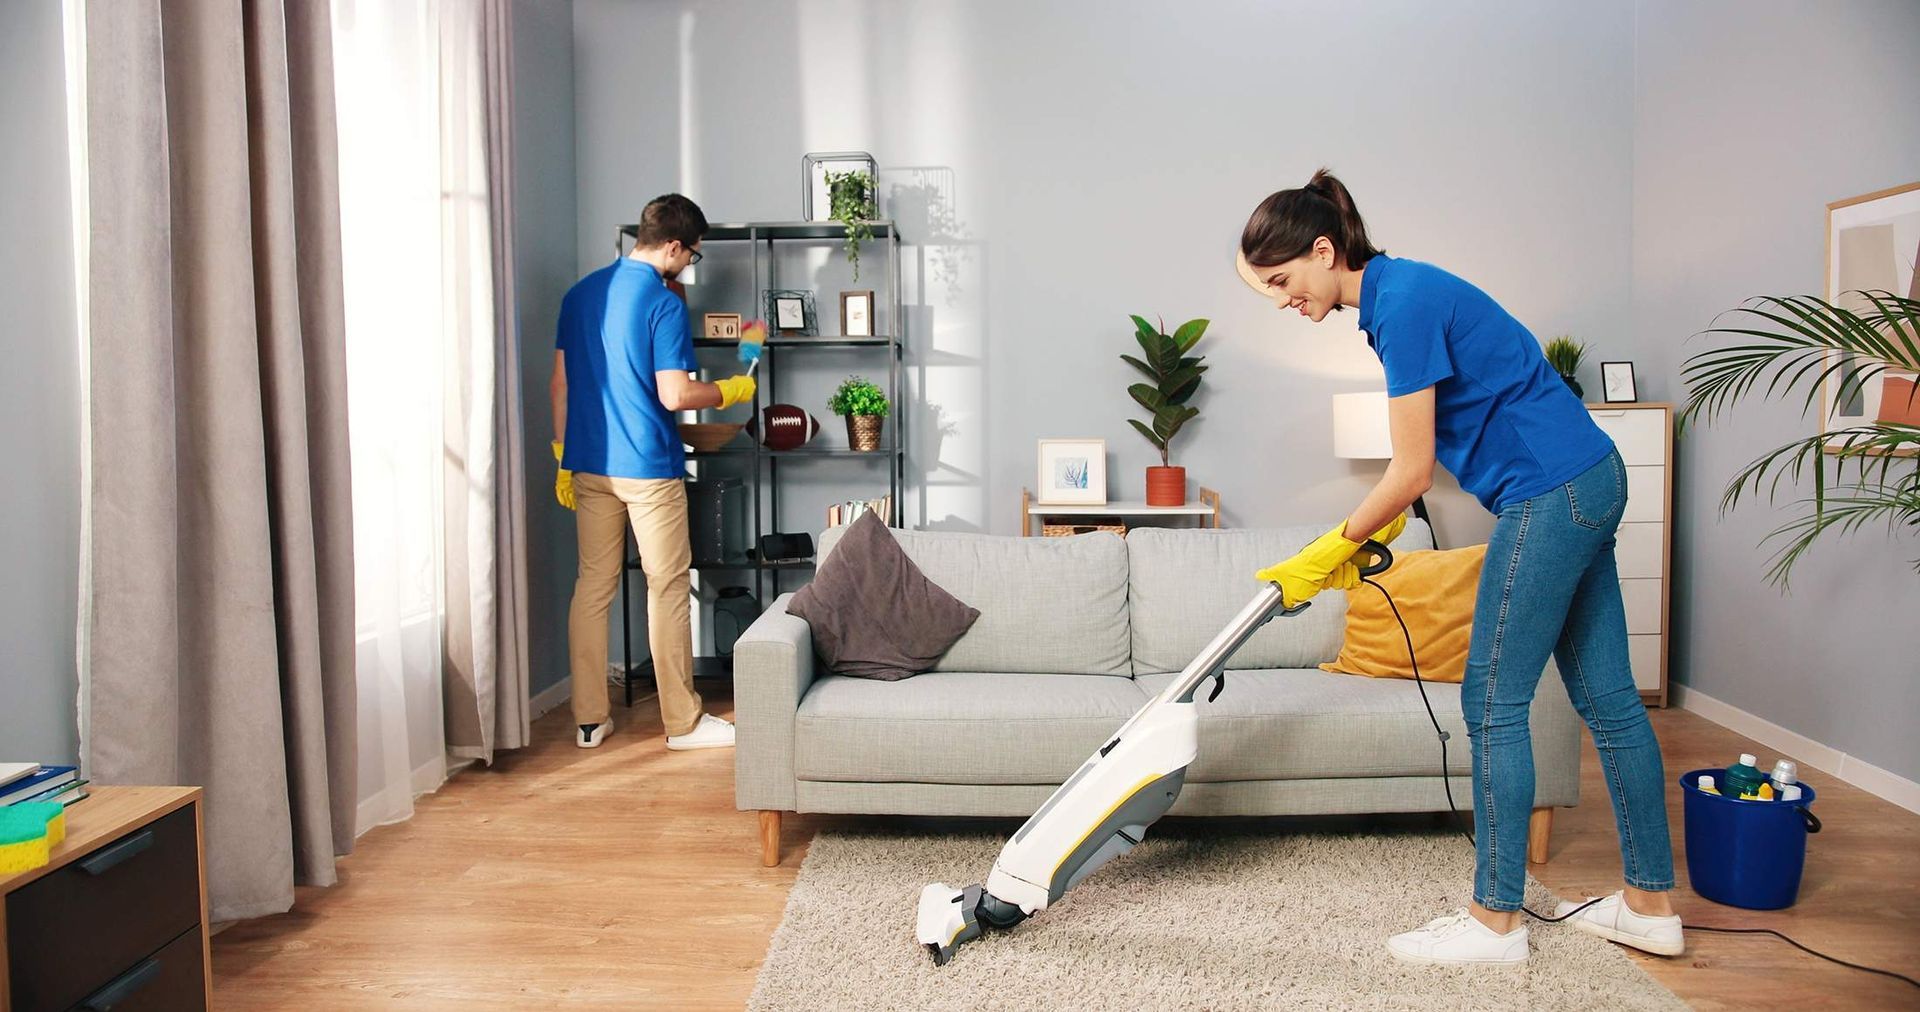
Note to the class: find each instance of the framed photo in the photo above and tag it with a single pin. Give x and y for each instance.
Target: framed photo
(722, 326)
(1873, 242)
(1073, 472)
(856, 314)
(790, 313)
(1616, 379)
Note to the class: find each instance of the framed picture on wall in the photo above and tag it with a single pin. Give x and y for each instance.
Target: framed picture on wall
(1873, 245)
(790, 313)
(856, 314)
(1073, 472)
(1616, 381)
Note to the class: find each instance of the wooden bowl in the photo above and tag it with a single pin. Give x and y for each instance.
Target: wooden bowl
(706, 436)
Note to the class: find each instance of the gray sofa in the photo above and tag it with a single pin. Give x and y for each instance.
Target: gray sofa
(1074, 635)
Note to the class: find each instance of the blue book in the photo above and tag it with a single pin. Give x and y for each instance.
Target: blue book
(48, 778)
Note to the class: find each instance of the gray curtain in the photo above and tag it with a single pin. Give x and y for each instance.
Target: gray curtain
(219, 637)
(485, 688)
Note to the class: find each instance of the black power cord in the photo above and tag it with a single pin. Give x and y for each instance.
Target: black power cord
(1446, 781)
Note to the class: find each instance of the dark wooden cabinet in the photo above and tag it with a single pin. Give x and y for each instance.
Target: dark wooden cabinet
(118, 918)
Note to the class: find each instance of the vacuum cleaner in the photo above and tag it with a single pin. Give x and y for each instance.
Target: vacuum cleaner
(1104, 809)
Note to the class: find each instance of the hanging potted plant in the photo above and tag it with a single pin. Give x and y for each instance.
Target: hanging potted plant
(1175, 377)
(1564, 354)
(851, 204)
(865, 407)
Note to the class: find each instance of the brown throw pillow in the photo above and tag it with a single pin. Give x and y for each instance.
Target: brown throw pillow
(873, 613)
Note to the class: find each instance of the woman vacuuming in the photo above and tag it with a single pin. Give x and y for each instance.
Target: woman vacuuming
(1468, 386)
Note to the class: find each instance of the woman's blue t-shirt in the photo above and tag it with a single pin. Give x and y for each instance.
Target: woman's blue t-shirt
(618, 326)
(1505, 424)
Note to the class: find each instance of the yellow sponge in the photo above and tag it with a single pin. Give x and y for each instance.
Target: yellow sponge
(28, 833)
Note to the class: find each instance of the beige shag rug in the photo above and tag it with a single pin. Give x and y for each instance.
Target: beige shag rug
(1194, 918)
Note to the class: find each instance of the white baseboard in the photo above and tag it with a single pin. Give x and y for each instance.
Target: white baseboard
(1804, 750)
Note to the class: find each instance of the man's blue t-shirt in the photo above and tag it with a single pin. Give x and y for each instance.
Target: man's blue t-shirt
(617, 327)
(1505, 424)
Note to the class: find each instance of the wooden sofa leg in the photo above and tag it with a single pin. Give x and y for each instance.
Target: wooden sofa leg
(1539, 830)
(770, 838)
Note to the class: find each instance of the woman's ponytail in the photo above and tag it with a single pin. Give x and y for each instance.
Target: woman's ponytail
(1286, 224)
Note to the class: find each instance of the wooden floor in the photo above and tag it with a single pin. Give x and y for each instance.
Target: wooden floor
(624, 878)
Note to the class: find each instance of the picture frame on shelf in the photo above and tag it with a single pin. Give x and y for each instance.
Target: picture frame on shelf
(790, 313)
(721, 326)
(856, 314)
(1617, 384)
(1072, 472)
(1870, 248)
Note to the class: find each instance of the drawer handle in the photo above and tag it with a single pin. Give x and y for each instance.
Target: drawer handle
(107, 858)
(122, 987)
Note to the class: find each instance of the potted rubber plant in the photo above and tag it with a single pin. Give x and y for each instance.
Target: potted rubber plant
(864, 405)
(1174, 377)
(850, 198)
(1564, 354)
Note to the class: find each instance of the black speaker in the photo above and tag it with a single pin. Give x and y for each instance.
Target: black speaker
(786, 547)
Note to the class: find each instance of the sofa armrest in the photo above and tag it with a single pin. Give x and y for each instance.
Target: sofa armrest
(1556, 743)
(772, 668)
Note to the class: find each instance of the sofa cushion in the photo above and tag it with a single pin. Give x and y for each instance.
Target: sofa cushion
(873, 614)
(1053, 605)
(1307, 724)
(1185, 585)
(957, 727)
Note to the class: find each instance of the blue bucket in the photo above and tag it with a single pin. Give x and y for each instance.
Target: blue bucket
(1746, 853)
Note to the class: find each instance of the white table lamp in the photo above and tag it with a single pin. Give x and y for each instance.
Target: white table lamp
(1361, 432)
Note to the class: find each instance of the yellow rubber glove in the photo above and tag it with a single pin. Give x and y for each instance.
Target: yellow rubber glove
(1307, 573)
(735, 389)
(562, 481)
(1346, 575)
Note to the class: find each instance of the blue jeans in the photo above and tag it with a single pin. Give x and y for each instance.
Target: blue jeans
(1549, 586)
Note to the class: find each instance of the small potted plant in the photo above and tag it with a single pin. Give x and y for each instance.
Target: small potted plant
(864, 406)
(1564, 354)
(851, 197)
(1176, 377)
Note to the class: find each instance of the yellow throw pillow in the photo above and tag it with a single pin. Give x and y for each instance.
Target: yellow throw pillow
(1435, 592)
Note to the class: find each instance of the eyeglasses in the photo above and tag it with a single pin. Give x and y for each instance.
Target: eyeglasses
(697, 257)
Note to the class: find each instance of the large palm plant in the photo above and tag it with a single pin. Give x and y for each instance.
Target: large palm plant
(1796, 344)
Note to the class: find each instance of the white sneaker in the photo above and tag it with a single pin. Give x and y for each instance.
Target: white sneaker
(591, 735)
(711, 732)
(1459, 940)
(1614, 921)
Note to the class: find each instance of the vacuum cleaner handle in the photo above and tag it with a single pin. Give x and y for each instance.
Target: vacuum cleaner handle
(1381, 558)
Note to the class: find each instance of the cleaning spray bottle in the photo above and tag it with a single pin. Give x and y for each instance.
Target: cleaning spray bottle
(1743, 779)
(1785, 774)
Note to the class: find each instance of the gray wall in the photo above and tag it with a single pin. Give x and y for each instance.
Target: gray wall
(39, 393)
(1059, 166)
(1749, 120)
(543, 261)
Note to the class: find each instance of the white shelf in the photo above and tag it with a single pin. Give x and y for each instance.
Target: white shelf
(1121, 509)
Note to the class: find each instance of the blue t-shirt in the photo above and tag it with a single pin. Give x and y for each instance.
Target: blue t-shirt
(1505, 423)
(617, 327)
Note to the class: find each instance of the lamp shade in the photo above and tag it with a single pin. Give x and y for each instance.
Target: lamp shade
(1360, 426)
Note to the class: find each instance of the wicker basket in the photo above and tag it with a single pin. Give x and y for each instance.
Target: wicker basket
(1069, 530)
(863, 432)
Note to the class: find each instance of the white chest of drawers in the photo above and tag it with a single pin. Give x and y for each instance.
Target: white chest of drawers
(1644, 546)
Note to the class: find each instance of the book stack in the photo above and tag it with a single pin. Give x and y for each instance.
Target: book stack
(847, 512)
(34, 782)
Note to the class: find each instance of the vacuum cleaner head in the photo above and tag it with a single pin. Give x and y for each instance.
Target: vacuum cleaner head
(947, 919)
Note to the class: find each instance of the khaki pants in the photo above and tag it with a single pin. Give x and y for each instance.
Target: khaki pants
(657, 508)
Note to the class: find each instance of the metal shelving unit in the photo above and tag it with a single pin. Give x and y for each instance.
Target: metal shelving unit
(763, 239)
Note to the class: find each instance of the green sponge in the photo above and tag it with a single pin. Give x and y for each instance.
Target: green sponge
(28, 833)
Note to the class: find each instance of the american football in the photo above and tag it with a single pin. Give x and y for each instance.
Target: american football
(787, 427)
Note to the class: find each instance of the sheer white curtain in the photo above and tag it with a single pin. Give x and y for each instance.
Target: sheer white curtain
(386, 73)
